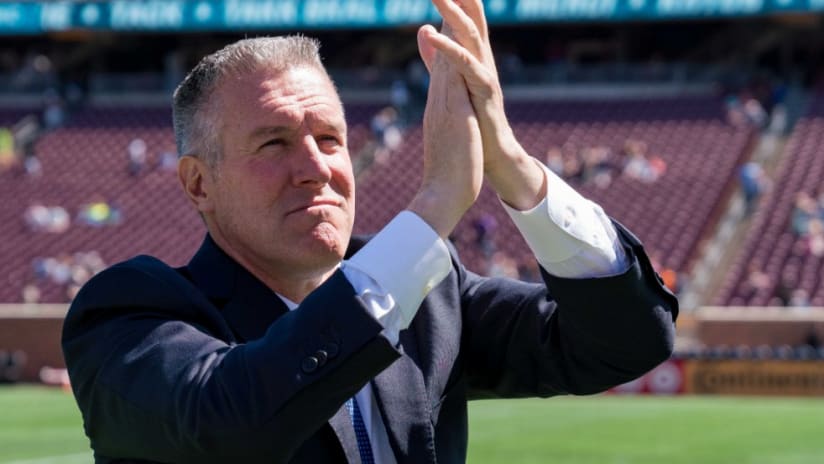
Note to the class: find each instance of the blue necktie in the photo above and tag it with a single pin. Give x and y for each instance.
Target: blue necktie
(364, 447)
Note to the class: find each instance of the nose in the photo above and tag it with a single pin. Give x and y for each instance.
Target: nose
(310, 167)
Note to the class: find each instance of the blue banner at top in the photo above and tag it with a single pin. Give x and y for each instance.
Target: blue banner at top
(239, 15)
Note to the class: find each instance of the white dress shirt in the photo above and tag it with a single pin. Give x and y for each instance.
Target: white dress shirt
(570, 237)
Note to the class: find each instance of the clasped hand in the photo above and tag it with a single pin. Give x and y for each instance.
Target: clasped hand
(466, 133)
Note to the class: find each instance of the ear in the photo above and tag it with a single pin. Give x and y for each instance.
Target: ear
(197, 180)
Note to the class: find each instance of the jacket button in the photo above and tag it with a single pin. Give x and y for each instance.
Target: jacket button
(309, 364)
(331, 349)
(321, 356)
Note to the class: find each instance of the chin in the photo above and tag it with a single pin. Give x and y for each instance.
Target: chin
(327, 240)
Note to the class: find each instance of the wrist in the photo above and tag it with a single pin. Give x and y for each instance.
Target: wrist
(518, 180)
(500, 144)
(438, 209)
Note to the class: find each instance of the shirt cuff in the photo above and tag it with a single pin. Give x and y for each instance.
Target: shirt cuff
(570, 236)
(404, 261)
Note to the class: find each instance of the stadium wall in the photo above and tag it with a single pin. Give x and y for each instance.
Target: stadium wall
(716, 326)
(36, 330)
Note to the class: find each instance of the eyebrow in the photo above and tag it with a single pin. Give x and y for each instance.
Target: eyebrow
(274, 131)
(269, 131)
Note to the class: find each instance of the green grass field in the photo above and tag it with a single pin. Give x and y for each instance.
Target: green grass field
(40, 426)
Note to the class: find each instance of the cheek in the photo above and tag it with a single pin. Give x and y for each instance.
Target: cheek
(249, 191)
(342, 177)
(261, 180)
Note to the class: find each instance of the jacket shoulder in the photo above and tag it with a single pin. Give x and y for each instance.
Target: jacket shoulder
(141, 282)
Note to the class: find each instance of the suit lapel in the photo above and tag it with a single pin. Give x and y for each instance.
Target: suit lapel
(342, 425)
(249, 307)
(253, 308)
(401, 396)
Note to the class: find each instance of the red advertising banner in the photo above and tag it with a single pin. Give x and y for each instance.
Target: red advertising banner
(666, 379)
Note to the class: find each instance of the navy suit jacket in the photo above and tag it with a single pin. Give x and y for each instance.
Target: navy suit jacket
(205, 364)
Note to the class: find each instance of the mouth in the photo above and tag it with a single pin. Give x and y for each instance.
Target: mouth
(315, 205)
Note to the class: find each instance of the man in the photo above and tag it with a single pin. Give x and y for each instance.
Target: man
(285, 341)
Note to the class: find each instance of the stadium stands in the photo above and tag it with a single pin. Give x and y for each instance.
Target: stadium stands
(775, 260)
(86, 161)
(670, 215)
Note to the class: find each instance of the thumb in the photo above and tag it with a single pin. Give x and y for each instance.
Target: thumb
(425, 47)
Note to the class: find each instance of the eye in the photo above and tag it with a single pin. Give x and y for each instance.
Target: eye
(276, 142)
(328, 142)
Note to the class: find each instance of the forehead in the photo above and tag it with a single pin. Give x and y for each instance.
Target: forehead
(288, 93)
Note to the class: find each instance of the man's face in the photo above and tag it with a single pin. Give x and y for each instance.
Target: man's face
(283, 194)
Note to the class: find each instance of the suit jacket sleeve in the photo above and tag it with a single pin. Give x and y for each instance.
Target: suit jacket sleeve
(575, 336)
(159, 376)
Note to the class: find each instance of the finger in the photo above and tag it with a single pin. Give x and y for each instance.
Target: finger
(468, 66)
(425, 47)
(462, 26)
(475, 10)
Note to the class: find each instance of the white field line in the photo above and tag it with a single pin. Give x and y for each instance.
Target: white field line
(74, 458)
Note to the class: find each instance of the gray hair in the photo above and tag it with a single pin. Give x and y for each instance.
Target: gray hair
(195, 121)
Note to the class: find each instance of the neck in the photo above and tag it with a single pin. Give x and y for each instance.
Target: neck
(294, 282)
(295, 289)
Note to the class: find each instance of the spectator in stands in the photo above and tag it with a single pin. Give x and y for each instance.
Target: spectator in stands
(755, 113)
(31, 163)
(668, 275)
(91, 260)
(529, 271)
(137, 155)
(41, 218)
(60, 269)
(26, 133)
(502, 265)
(745, 111)
(640, 165)
(54, 113)
(99, 213)
(813, 242)
(800, 299)
(757, 281)
(31, 294)
(399, 98)
(80, 274)
(754, 182)
(597, 166)
(554, 160)
(386, 133)
(485, 226)
(805, 210)
(573, 169)
(59, 220)
(777, 108)
(820, 203)
(8, 155)
(36, 217)
(68, 272)
(786, 287)
(167, 160)
(736, 116)
(271, 347)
